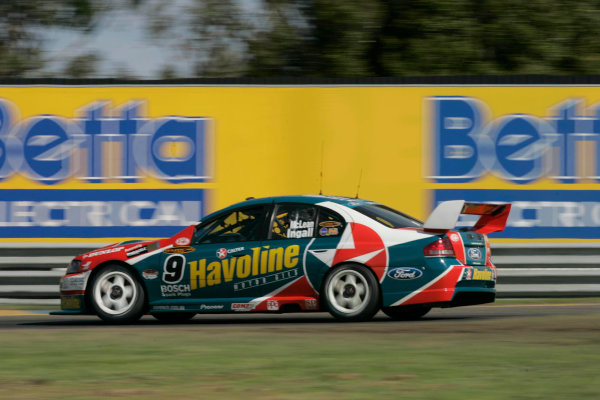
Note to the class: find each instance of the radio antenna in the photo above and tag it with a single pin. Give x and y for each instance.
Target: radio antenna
(358, 186)
(321, 173)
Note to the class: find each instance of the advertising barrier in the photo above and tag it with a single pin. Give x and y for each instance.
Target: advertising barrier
(103, 163)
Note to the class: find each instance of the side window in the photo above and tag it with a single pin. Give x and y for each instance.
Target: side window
(330, 223)
(235, 226)
(293, 221)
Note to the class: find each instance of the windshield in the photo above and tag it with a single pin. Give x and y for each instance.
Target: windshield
(388, 216)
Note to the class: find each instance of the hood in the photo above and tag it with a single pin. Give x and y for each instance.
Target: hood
(125, 251)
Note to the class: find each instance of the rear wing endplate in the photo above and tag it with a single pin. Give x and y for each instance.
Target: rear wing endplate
(445, 215)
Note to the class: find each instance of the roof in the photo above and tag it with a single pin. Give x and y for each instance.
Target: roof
(308, 199)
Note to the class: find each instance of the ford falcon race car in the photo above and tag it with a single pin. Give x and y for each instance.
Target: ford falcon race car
(348, 256)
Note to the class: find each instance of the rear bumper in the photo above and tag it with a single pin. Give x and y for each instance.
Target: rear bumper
(455, 285)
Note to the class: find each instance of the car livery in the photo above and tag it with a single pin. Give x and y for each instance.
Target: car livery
(351, 257)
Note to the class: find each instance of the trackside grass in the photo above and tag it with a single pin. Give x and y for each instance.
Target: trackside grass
(549, 357)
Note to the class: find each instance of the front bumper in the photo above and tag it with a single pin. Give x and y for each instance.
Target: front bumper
(72, 294)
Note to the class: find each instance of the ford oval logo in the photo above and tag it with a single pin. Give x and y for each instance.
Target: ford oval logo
(404, 273)
(474, 253)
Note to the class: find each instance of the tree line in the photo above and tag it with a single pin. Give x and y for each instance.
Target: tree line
(324, 38)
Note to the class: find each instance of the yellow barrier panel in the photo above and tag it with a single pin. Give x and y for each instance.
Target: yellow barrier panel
(223, 144)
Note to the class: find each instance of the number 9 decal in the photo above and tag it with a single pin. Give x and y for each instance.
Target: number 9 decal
(173, 269)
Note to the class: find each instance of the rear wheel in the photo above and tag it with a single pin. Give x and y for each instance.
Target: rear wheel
(173, 317)
(406, 313)
(351, 293)
(116, 295)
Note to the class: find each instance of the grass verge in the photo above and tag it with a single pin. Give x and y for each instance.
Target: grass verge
(513, 358)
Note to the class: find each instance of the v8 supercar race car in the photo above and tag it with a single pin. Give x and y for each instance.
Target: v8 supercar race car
(350, 257)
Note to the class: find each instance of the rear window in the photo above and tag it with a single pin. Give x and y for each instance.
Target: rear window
(388, 216)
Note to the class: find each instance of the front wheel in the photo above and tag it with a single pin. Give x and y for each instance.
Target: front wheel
(173, 317)
(406, 313)
(116, 295)
(351, 293)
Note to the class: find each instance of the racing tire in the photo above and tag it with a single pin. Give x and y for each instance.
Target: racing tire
(351, 293)
(173, 317)
(406, 313)
(116, 295)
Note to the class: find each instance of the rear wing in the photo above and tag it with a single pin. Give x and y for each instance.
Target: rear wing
(445, 215)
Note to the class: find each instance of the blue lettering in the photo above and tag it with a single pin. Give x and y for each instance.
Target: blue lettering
(5, 126)
(564, 126)
(456, 123)
(518, 147)
(103, 144)
(46, 148)
(129, 125)
(188, 134)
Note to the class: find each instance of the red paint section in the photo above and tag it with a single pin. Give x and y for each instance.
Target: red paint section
(297, 292)
(305, 303)
(442, 290)
(71, 292)
(299, 288)
(366, 240)
(458, 246)
(119, 251)
(488, 253)
(184, 237)
(492, 223)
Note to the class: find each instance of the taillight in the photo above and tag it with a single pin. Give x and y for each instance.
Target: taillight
(488, 252)
(440, 248)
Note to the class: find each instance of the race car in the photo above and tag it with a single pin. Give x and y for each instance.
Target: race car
(348, 256)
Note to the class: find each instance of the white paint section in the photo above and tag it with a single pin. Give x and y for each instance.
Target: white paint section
(389, 236)
(385, 271)
(141, 257)
(347, 239)
(74, 282)
(325, 256)
(304, 265)
(258, 300)
(422, 288)
(364, 258)
(445, 215)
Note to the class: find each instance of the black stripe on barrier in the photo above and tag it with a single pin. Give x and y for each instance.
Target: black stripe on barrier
(302, 81)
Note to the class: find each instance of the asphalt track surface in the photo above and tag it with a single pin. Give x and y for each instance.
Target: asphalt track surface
(437, 319)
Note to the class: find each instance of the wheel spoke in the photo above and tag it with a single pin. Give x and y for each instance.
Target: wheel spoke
(121, 303)
(355, 302)
(128, 291)
(351, 279)
(340, 299)
(360, 289)
(107, 300)
(338, 286)
(119, 281)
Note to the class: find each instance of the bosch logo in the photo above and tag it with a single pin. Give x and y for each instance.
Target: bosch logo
(404, 273)
(474, 254)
